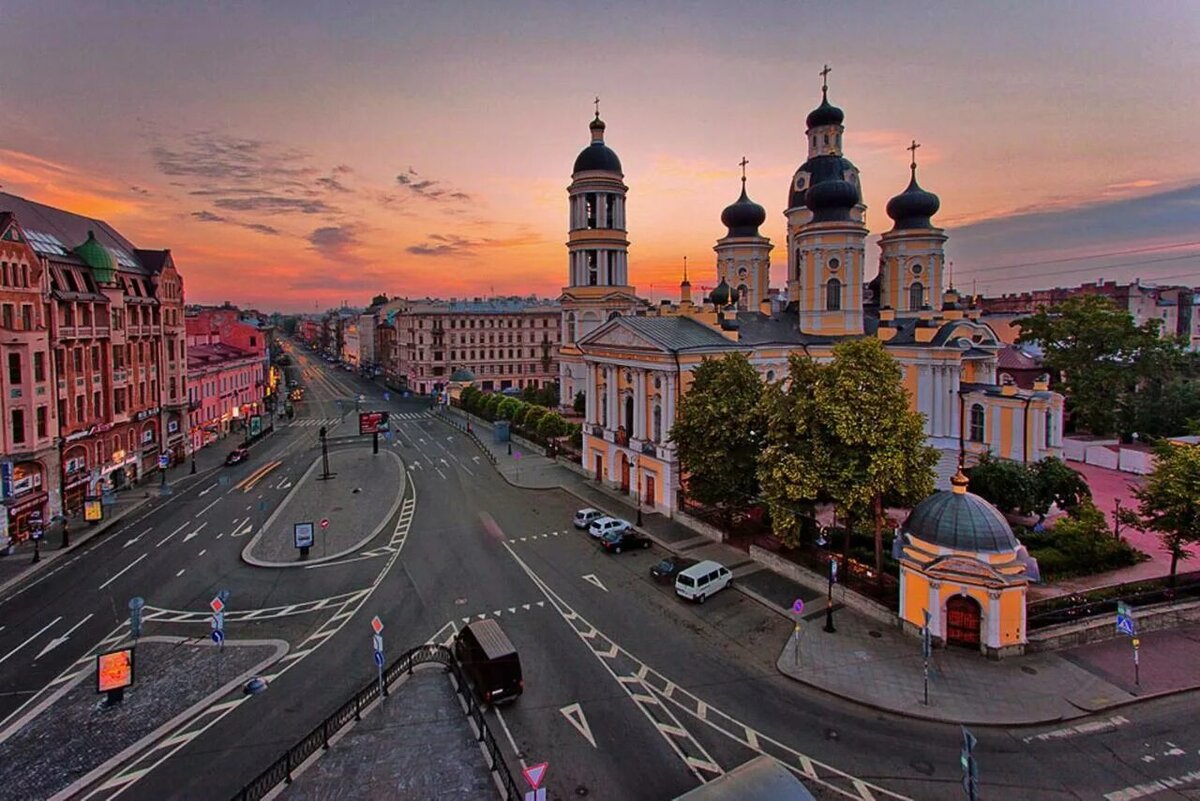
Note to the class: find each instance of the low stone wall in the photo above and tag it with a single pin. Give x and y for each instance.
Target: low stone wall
(812, 580)
(699, 526)
(1104, 627)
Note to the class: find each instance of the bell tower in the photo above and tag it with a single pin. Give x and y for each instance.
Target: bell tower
(744, 254)
(912, 256)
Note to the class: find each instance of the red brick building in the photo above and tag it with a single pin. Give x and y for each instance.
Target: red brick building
(113, 320)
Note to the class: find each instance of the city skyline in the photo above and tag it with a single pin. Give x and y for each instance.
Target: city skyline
(425, 150)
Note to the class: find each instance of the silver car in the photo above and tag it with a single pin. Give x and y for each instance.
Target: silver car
(607, 525)
(585, 517)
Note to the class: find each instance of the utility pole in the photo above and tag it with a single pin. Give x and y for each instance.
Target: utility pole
(325, 474)
(829, 627)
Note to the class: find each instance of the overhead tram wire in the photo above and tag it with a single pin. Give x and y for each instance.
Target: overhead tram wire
(1065, 259)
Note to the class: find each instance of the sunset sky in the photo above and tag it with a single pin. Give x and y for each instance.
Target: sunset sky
(297, 154)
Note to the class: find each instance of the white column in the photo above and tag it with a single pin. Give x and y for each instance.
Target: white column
(611, 389)
(934, 605)
(955, 403)
(668, 407)
(938, 398)
(639, 405)
(601, 211)
(590, 392)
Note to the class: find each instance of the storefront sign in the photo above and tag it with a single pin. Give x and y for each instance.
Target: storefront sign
(34, 500)
(6, 479)
(255, 425)
(172, 426)
(114, 670)
(142, 415)
(92, 510)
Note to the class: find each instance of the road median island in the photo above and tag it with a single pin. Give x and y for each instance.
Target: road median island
(355, 505)
(71, 739)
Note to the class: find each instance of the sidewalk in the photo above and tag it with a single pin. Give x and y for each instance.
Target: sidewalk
(879, 666)
(19, 565)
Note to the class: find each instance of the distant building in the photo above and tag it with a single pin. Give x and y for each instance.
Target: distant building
(505, 342)
(1174, 306)
(94, 361)
(226, 373)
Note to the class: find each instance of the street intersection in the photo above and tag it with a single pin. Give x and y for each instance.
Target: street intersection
(629, 693)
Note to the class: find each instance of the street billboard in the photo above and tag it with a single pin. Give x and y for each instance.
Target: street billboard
(303, 534)
(92, 510)
(255, 425)
(114, 670)
(372, 422)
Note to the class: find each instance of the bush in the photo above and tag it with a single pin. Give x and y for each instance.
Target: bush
(551, 425)
(1078, 545)
(490, 404)
(533, 414)
(508, 408)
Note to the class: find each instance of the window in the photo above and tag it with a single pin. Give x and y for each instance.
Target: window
(14, 368)
(610, 207)
(590, 209)
(833, 295)
(657, 423)
(77, 359)
(170, 350)
(96, 358)
(916, 296)
(977, 419)
(26, 317)
(39, 366)
(18, 426)
(41, 421)
(97, 409)
(6, 315)
(592, 267)
(834, 264)
(1049, 427)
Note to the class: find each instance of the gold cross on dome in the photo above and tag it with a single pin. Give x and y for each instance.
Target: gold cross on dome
(825, 78)
(597, 106)
(913, 149)
(743, 164)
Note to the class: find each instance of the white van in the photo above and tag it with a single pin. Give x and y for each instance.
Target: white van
(701, 580)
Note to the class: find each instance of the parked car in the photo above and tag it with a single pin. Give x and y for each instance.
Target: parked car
(604, 525)
(664, 572)
(490, 661)
(702, 580)
(584, 517)
(624, 540)
(237, 456)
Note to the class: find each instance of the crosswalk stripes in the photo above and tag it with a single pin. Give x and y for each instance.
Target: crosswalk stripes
(310, 422)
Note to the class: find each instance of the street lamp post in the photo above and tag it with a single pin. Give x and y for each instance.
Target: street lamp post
(637, 493)
(829, 627)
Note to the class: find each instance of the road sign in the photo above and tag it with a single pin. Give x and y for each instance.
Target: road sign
(324, 522)
(387, 396)
(377, 642)
(162, 460)
(536, 795)
(379, 659)
(1125, 625)
(833, 568)
(798, 606)
(534, 774)
(216, 604)
(218, 621)
(303, 534)
(377, 624)
(218, 636)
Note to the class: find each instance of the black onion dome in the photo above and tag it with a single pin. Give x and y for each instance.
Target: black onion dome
(831, 200)
(743, 217)
(963, 521)
(913, 207)
(597, 124)
(820, 169)
(825, 114)
(723, 295)
(597, 156)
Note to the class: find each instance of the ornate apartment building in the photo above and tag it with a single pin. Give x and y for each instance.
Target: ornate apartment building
(95, 364)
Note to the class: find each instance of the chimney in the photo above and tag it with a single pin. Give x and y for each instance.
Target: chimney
(764, 306)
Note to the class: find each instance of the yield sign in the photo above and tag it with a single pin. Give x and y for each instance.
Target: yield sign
(216, 604)
(377, 624)
(535, 773)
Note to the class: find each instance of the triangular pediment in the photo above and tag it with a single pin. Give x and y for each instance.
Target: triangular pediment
(617, 334)
(608, 298)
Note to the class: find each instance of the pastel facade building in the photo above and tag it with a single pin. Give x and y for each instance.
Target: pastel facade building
(226, 374)
(634, 363)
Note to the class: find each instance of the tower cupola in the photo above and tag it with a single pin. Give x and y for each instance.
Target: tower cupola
(913, 207)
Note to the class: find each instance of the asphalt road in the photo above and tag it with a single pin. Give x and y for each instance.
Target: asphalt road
(629, 692)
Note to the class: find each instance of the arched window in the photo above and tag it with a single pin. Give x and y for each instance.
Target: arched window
(1049, 427)
(629, 416)
(657, 423)
(604, 408)
(770, 375)
(614, 315)
(977, 418)
(916, 296)
(833, 295)
(570, 330)
(743, 292)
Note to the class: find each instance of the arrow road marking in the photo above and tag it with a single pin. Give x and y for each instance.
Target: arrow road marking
(121, 572)
(202, 493)
(475, 459)
(57, 641)
(31, 639)
(195, 533)
(574, 715)
(591, 577)
(135, 539)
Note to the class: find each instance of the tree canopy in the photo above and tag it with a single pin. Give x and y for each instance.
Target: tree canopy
(1169, 503)
(718, 431)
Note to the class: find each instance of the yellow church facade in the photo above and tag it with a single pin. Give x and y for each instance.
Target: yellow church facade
(633, 361)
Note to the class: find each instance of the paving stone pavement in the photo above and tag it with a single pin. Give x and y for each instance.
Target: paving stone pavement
(352, 501)
(77, 733)
(417, 745)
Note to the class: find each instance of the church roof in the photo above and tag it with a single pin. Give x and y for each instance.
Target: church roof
(962, 521)
(678, 333)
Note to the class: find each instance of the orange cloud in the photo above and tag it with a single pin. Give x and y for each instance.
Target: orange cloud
(62, 186)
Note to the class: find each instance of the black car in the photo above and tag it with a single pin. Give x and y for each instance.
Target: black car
(664, 572)
(626, 540)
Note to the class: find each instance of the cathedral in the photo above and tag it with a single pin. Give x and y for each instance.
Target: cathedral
(633, 361)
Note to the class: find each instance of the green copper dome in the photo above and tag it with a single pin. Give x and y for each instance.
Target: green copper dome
(96, 256)
(462, 374)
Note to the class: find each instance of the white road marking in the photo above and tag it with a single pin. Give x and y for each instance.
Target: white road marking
(180, 573)
(574, 715)
(438, 470)
(511, 741)
(172, 534)
(1150, 788)
(1090, 727)
(57, 641)
(591, 578)
(195, 533)
(122, 572)
(202, 552)
(31, 639)
(206, 508)
(204, 492)
(135, 539)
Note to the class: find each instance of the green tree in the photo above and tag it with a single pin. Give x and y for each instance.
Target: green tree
(551, 425)
(1003, 483)
(1053, 482)
(880, 441)
(718, 432)
(533, 415)
(490, 405)
(1100, 359)
(1169, 503)
(508, 408)
(469, 398)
